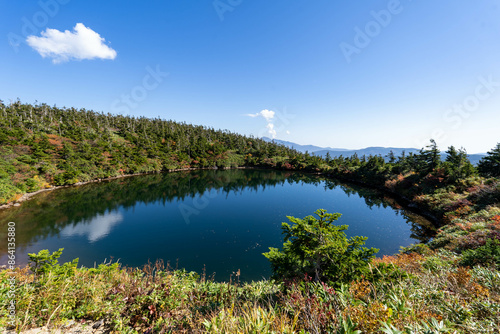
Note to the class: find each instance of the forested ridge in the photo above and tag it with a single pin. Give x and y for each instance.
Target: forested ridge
(422, 176)
(43, 146)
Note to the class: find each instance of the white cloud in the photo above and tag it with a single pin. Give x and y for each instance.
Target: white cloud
(81, 43)
(268, 115)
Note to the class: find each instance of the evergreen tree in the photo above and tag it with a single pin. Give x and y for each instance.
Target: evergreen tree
(328, 157)
(391, 157)
(457, 164)
(321, 250)
(490, 164)
(429, 158)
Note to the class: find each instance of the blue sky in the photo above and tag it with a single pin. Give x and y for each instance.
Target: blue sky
(328, 73)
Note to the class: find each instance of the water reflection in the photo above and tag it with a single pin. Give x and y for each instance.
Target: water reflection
(95, 228)
(421, 228)
(224, 219)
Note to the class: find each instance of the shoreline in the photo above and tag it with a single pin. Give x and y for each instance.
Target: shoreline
(406, 202)
(27, 196)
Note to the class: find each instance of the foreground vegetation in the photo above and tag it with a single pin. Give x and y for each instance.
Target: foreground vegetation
(451, 284)
(407, 293)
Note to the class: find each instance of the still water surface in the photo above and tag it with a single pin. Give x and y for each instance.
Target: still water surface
(218, 220)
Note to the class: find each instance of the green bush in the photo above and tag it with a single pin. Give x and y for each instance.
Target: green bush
(68, 177)
(44, 262)
(8, 191)
(26, 159)
(488, 254)
(32, 185)
(315, 248)
(386, 273)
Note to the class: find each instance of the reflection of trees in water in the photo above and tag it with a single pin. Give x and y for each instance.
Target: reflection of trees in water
(48, 213)
(421, 228)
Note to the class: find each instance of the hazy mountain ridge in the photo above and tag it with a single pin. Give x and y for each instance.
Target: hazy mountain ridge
(374, 150)
(303, 148)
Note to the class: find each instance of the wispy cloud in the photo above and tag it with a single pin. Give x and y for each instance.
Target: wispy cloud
(81, 43)
(268, 115)
(271, 130)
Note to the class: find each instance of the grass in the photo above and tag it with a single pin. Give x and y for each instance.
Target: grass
(408, 293)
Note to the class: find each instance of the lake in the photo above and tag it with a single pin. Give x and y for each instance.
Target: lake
(217, 221)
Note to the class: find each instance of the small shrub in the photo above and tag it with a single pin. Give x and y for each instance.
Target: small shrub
(44, 262)
(360, 289)
(386, 273)
(317, 248)
(435, 263)
(8, 192)
(368, 318)
(32, 184)
(401, 263)
(488, 254)
(476, 239)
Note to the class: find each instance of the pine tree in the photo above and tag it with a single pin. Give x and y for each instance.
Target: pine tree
(321, 250)
(457, 164)
(429, 158)
(490, 164)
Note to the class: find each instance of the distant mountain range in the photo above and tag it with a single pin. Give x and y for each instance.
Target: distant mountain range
(383, 151)
(304, 148)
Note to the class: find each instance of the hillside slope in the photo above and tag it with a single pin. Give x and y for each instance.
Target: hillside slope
(43, 146)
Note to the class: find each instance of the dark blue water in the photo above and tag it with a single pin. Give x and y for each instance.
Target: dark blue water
(217, 221)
